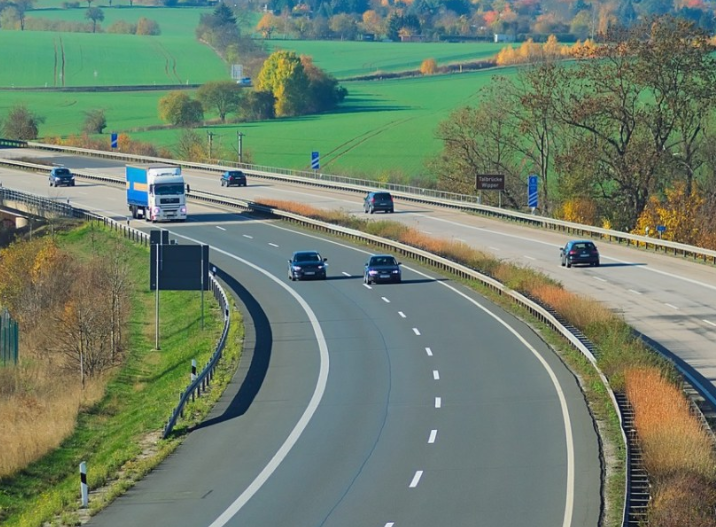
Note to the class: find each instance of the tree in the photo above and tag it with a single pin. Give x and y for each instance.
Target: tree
(95, 14)
(191, 147)
(95, 121)
(428, 67)
(22, 124)
(146, 26)
(324, 92)
(344, 25)
(267, 25)
(179, 109)
(283, 75)
(222, 96)
(258, 106)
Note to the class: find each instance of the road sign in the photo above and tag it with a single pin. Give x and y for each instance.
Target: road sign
(661, 228)
(113, 140)
(315, 161)
(532, 191)
(490, 182)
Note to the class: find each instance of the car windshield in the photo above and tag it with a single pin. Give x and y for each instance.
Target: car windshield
(62, 172)
(168, 189)
(307, 257)
(382, 260)
(382, 196)
(235, 174)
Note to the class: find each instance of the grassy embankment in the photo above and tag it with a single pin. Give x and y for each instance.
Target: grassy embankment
(115, 426)
(678, 453)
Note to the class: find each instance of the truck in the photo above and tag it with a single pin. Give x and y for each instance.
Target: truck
(156, 192)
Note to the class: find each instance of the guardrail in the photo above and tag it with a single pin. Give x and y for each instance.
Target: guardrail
(46, 207)
(462, 202)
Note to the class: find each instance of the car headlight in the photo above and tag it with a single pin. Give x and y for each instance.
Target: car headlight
(296, 267)
(396, 271)
(371, 272)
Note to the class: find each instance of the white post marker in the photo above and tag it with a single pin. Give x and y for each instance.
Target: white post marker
(83, 484)
(193, 369)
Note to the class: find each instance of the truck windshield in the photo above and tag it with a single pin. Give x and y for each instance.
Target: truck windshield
(168, 189)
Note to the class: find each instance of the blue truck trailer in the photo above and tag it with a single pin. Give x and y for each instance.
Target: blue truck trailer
(156, 192)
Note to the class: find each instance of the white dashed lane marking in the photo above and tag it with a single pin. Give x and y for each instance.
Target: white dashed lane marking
(433, 436)
(429, 352)
(436, 375)
(416, 479)
(402, 315)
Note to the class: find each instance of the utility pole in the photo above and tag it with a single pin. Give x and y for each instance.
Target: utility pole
(211, 140)
(240, 137)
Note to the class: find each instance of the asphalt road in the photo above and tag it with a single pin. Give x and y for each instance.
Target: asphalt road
(409, 404)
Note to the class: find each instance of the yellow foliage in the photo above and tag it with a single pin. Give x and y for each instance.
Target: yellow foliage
(506, 56)
(428, 67)
(580, 210)
(678, 212)
(552, 48)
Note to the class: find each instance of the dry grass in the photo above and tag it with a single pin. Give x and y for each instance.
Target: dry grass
(39, 406)
(672, 439)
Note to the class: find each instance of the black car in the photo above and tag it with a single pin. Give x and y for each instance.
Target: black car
(579, 252)
(376, 201)
(307, 264)
(382, 268)
(233, 178)
(61, 176)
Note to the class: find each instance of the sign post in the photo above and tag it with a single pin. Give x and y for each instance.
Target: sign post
(532, 192)
(490, 182)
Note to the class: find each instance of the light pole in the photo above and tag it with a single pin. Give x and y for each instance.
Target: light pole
(240, 137)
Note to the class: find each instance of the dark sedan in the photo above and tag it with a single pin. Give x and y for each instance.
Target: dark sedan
(579, 252)
(381, 268)
(307, 264)
(233, 178)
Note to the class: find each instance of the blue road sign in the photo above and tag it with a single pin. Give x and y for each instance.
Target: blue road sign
(661, 228)
(315, 161)
(532, 191)
(113, 140)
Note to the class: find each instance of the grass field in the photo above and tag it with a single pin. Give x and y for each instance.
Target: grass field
(383, 126)
(52, 59)
(350, 59)
(173, 22)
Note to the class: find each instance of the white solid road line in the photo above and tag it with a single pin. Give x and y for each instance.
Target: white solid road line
(416, 479)
(709, 322)
(433, 436)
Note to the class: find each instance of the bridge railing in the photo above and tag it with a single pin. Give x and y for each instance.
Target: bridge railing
(465, 202)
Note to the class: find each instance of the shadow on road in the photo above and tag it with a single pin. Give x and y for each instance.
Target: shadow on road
(254, 359)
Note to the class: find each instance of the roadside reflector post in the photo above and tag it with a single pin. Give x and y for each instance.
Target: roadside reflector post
(83, 484)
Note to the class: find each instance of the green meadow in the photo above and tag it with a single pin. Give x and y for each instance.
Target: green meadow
(383, 126)
(351, 58)
(48, 59)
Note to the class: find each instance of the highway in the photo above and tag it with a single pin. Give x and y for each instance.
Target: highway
(408, 404)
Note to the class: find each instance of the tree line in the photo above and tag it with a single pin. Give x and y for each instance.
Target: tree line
(623, 136)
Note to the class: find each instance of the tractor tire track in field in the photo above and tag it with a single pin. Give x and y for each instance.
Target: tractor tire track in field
(170, 62)
(54, 63)
(62, 63)
(349, 145)
(355, 142)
